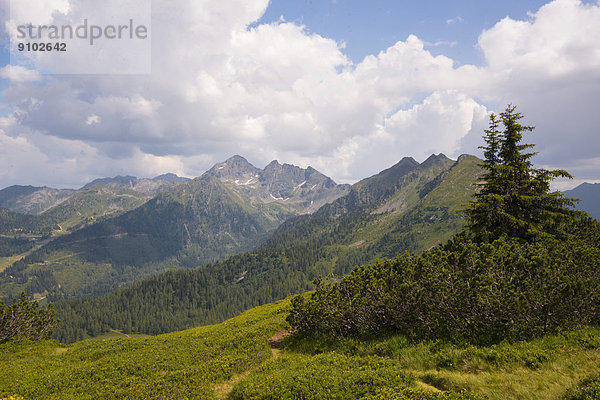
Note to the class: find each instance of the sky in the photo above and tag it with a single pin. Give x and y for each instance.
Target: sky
(348, 87)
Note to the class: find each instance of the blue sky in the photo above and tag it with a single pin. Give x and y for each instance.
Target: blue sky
(272, 80)
(368, 27)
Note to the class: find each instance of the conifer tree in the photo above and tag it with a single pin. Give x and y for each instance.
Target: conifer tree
(515, 199)
(490, 153)
(26, 320)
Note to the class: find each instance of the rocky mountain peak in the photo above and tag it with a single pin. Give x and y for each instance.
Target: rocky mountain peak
(300, 190)
(433, 159)
(234, 168)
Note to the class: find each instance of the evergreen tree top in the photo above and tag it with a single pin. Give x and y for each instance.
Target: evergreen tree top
(515, 198)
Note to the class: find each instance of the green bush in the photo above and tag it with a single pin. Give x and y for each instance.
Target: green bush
(417, 394)
(25, 320)
(464, 291)
(587, 389)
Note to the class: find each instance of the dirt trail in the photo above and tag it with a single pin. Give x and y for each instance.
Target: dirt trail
(276, 340)
(223, 389)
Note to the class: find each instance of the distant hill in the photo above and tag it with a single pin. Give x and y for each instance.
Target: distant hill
(191, 224)
(589, 194)
(170, 178)
(32, 199)
(64, 210)
(408, 207)
(35, 200)
(141, 185)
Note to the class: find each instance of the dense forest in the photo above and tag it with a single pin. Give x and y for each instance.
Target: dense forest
(14, 245)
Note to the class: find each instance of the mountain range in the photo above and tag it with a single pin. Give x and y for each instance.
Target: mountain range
(42, 211)
(409, 207)
(235, 237)
(205, 219)
(36, 200)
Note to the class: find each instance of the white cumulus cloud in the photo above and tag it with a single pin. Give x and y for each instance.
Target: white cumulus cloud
(220, 87)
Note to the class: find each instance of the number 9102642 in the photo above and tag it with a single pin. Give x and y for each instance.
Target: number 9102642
(42, 46)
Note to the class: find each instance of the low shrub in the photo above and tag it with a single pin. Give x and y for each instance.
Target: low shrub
(587, 389)
(332, 376)
(465, 291)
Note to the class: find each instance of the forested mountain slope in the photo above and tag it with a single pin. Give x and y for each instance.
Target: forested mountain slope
(11, 222)
(193, 223)
(200, 215)
(410, 206)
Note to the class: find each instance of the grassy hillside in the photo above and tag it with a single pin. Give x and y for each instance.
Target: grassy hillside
(186, 364)
(92, 204)
(409, 207)
(249, 357)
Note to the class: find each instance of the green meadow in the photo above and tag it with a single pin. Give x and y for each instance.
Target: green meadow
(251, 357)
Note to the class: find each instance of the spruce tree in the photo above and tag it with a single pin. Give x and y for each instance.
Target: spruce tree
(490, 153)
(514, 199)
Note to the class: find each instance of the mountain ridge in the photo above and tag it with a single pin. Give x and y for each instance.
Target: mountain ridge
(205, 219)
(28, 199)
(32, 199)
